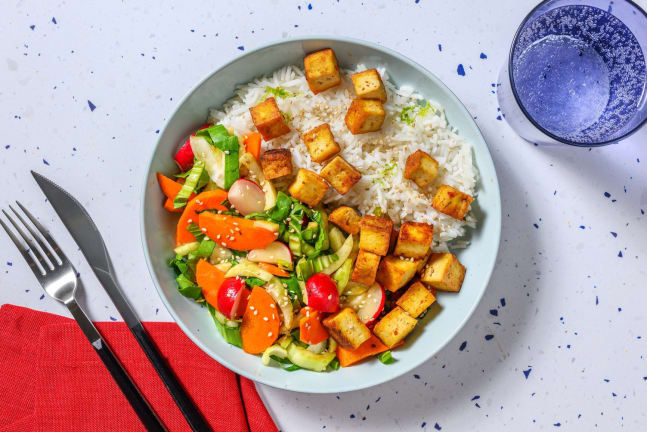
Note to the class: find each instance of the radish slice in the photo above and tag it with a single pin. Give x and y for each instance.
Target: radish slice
(184, 156)
(275, 253)
(369, 304)
(246, 197)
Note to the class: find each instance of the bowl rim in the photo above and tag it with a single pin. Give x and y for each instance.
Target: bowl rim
(351, 386)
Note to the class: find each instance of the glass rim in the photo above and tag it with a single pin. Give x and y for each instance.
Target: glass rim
(515, 39)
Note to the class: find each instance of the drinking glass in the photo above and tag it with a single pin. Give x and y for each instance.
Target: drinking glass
(576, 73)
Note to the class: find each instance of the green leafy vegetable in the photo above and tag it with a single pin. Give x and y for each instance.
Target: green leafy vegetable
(253, 281)
(230, 334)
(220, 138)
(187, 288)
(189, 185)
(194, 229)
(334, 364)
(286, 364)
(292, 286)
(406, 114)
(386, 357)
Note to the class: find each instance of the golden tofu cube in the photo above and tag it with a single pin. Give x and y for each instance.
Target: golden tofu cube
(395, 272)
(375, 234)
(368, 85)
(320, 142)
(416, 299)
(421, 168)
(322, 70)
(366, 266)
(268, 119)
(276, 163)
(308, 187)
(347, 329)
(346, 218)
(365, 116)
(394, 238)
(452, 202)
(414, 240)
(340, 174)
(444, 272)
(394, 326)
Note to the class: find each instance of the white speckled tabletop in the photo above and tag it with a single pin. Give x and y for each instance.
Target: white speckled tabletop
(558, 342)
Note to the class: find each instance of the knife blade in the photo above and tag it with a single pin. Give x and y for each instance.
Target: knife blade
(87, 236)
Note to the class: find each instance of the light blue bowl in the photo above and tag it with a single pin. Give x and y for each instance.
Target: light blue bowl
(158, 226)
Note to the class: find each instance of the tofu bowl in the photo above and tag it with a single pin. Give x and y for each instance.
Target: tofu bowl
(383, 169)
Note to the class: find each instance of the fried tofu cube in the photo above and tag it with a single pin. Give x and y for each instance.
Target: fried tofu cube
(268, 119)
(365, 116)
(308, 187)
(276, 163)
(366, 266)
(321, 144)
(340, 174)
(394, 326)
(368, 85)
(346, 218)
(416, 299)
(347, 329)
(322, 70)
(444, 272)
(414, 240)
(452, 202)
(421, 168)
(395, 272)
(375, 234)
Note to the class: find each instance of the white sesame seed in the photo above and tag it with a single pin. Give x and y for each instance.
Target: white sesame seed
(265, 319)
(255, 312)
(272, 305)
(251, 308)
(204, 230)
(269, 334)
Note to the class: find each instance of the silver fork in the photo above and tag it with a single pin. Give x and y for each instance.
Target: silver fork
(58, 278)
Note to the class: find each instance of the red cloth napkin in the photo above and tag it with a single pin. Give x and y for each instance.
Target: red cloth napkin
(52, 380)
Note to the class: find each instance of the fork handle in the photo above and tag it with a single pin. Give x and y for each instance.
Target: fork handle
(143, 410)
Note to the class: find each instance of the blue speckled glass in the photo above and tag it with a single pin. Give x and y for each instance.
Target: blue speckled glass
(577, 73)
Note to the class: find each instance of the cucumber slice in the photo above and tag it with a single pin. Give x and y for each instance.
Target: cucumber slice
(274, 350)
(309, 360)
(336, 238)
(342, 275)
(248, 269)
(342, 254)
(185, 248)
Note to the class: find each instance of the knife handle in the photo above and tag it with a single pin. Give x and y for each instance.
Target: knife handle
(179, 394)
(141, 407)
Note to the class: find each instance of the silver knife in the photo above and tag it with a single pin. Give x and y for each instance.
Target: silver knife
(86, 235)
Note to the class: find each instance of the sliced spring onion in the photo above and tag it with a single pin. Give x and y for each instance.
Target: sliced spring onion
(386, 357)
(342, 254)
(323, 261)
(189, 185)
(294, 243)
(342, 275)
(230, 334)
(185, 248)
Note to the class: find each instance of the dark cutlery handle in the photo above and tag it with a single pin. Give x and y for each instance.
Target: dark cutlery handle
(143, 410)
(137, 401)
(179, 394)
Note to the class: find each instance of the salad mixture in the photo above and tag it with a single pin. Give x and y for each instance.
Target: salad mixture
(304, 286)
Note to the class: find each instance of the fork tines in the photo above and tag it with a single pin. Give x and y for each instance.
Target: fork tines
(44, 254)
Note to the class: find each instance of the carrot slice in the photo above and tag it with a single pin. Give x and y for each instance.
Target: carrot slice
(209, 278)
(168, 205)
(238, 233)
(371, 347)
(260, 326)
(311, 331)
(169, 187)
(276, 271)
(205, 201)
(252, 143)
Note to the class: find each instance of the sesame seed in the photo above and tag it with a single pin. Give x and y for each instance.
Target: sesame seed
(251, 308)
(204, 230)
(265, 319)
(269, 334)
(272, 306)
(255, 312)
(190, 221)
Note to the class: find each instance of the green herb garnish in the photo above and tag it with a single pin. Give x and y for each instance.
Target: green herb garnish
(277, 92)
(386, 357)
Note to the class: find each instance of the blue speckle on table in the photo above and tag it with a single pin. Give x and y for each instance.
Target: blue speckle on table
(112, 318)
(614, 234)
(526, 373)
(460, 70)
(91, 105)
(437, 426)
(535, 225)
(607, 194)
(416, 376)
(463, 345)
(489, 337)
(33, 27)
(619, 254)
(45, 162)
(596, 300)
(494, 312)
(475, 397)
(309, 6)
(440, 47)
(7, 147)
(619, 309)
(42, 296)
(557, 424)
(54, 20)
(483, 56)
(606, 380)
(242, 48)
(157, 131)
(582, 227)
(9, 263)
(422, 426)
(499, 118)
(502, 301)
(352, 416)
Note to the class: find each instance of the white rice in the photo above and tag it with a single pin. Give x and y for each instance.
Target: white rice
(379, 156)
